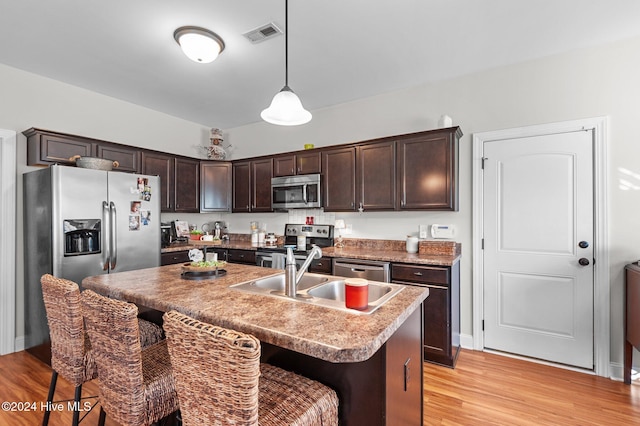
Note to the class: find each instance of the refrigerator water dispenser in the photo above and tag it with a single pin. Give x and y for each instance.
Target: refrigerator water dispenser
(81, 236)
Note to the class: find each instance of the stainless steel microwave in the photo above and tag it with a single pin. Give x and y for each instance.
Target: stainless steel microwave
(296, 192)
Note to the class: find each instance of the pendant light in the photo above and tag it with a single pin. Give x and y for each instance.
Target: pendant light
(286, 108)
(199, 44)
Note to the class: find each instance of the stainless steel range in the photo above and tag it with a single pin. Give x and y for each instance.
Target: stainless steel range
(318, 235)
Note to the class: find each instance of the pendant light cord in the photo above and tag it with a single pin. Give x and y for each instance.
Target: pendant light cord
(286, 43)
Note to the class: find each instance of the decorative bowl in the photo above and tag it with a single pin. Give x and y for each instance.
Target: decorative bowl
(190, 268)
(94, 163)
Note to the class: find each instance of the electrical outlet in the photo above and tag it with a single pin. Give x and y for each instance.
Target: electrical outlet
(423, 231)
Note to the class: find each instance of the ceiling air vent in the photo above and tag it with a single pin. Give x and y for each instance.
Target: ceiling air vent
(263, 33)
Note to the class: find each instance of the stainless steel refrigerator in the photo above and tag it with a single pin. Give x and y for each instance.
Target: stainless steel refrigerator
(83, 222)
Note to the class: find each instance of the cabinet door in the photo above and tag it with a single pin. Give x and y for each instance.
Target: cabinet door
(162, 165)
(44, 149)
(376, 170)
(308, 163)
(128, 158)
(437, 326)
(339, 170)
(215, 186)
(284, 165)
(241, 187)
(427, 171)
(187, 185)
(261, 174)
(303, 163)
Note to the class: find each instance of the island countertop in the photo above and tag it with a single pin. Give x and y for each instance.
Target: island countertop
(320, 332)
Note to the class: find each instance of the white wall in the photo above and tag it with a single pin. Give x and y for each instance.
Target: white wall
(594, 82)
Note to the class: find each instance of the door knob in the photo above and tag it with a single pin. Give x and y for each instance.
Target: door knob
(583, 261)
(583, 244)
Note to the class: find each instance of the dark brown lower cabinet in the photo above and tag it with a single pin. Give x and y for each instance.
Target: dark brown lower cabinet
(247, 257)
(321, 266)
(441, 309)
(174, 257)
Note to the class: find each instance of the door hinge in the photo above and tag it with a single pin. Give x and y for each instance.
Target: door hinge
(483, 160)
(482, 244)
(482, 325)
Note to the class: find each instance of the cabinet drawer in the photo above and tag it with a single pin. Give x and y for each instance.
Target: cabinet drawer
(174, 257)
(420, 274)
(321, 266)
(241, 256)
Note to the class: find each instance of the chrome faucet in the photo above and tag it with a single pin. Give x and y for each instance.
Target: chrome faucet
(291, 278)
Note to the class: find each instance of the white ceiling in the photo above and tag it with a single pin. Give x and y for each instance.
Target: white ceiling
(339, 50)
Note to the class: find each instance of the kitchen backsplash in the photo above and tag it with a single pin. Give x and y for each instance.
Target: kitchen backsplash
(367, 225)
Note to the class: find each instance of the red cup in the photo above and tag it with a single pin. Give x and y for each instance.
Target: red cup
(356, 293)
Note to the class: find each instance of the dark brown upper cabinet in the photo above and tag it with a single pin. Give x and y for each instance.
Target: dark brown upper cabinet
(301, 163)
(376, 176)
(128, 158)
(162, 165)
(215, 186)
(45, 147)
(187, 185)
(179, 180)
(339, 173)
(252, 185)
(427, 165)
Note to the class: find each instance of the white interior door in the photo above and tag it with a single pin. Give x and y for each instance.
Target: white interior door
(538, 247)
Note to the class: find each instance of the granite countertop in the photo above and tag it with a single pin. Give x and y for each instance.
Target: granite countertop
(317, 331)
(439, 253)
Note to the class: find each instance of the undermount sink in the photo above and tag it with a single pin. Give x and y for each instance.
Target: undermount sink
(276, 282)
(322, 290)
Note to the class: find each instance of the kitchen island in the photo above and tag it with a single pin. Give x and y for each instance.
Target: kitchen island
(374, 362)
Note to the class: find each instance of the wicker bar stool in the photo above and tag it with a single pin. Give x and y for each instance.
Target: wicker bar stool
(220, 380)
(71, 354)
(136, 385)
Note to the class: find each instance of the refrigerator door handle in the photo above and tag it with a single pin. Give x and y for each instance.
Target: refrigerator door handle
(105, 240)
(113, 243)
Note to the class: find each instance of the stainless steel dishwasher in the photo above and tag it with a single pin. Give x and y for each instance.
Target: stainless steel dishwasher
(357, 268)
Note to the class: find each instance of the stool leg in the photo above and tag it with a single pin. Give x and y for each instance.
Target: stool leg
(52, 389)
(76, 405)
(102, 418)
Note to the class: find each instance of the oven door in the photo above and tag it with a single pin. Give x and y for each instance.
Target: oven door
(270, 260)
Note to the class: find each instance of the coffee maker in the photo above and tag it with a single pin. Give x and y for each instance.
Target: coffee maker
(167, 234)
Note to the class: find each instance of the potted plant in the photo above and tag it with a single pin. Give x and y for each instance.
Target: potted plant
(195, 234)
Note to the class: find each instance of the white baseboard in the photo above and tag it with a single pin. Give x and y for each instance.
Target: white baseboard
(466, 341)
(19, 344)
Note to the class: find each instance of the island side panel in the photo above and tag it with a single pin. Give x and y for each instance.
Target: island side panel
(404, 372)
(386, 389)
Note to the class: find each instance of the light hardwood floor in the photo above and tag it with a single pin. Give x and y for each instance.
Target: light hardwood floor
(483, 389)
(489, 389)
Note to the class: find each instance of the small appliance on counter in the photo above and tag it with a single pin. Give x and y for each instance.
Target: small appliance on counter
(181, 230)
(167, 234)
(218, 229)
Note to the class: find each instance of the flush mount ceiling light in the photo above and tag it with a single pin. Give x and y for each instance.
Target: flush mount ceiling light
(199, 44)
(286, 108)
